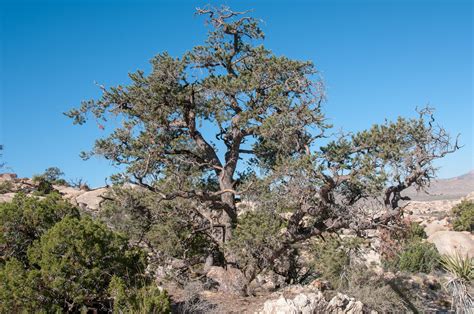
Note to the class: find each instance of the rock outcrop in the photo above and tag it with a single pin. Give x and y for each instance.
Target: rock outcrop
(313, 302)
(230, 280)
(91, 200)
(452, 242)
(304, 303)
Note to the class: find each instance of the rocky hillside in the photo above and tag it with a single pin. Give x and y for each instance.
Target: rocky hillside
(83, 197)
(445, 189)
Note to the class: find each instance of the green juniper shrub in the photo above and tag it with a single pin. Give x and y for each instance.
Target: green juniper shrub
(87, 252)
(332, 257)
(418, 256)
(44, 187)
(53, 260)
(26, 218)
(463, 216)
(52, 175)
(21, 290)
(164, 226)
(256, 237)
(146, 299)
(409, 250)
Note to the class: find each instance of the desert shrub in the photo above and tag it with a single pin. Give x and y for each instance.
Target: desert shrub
(418, 256)
(256, 237)
(163, 226)
(146, 299)
(193, 302)
(415, 231)
(44, 187)
(5, 187)
(55, 260)
(21, 291)
(374, 291)
(87, 252)
(404, 248)
(463, 216)
(46, 180)
(52, 175)
(173, 236)
(26, 218)
(332, 257)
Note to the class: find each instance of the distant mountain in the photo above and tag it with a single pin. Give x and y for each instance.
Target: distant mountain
(446, 188)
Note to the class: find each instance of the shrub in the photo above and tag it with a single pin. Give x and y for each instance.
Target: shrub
(415, 231)
(52, 175)
(56, 261)
(374, 291)
(463, 216)
(147, 299)
(19, 289)
(332, 257)
(405, 249)
(256, 237)
(77, 258)
(165, 227)
(26, 218)
(418, 256)
(173, 237)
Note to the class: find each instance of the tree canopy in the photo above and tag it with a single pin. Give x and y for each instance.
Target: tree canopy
(230, 123)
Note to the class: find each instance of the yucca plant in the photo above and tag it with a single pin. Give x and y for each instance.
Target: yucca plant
(461, 269)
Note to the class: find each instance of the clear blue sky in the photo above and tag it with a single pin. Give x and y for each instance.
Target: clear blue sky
(379, 59)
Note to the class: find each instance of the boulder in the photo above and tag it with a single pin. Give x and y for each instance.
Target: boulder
(342, 304)
(230, 280)
(451, 242)
(268, 282)
(432, 227)
(313, 302)
(91, 200)
(8, 177)
(69, 193)
(7, 197)
(303, 303)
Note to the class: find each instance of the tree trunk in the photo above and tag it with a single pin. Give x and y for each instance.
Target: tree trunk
(229, 214)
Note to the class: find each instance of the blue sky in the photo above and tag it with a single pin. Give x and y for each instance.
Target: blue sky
(379, 59)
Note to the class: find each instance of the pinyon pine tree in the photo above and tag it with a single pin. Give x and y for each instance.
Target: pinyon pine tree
(231, 123)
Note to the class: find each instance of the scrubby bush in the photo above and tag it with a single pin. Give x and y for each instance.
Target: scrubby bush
(26, 218)
(256, 237)
(46, 180)
(375, 292)
(418, 256)
(21, 291)
(52, 175)
(463, 216)
(44, 187)
(332, 257)
(405, 249)
(146, 299)
(164, 227)
(88, 253)
(53, 260)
